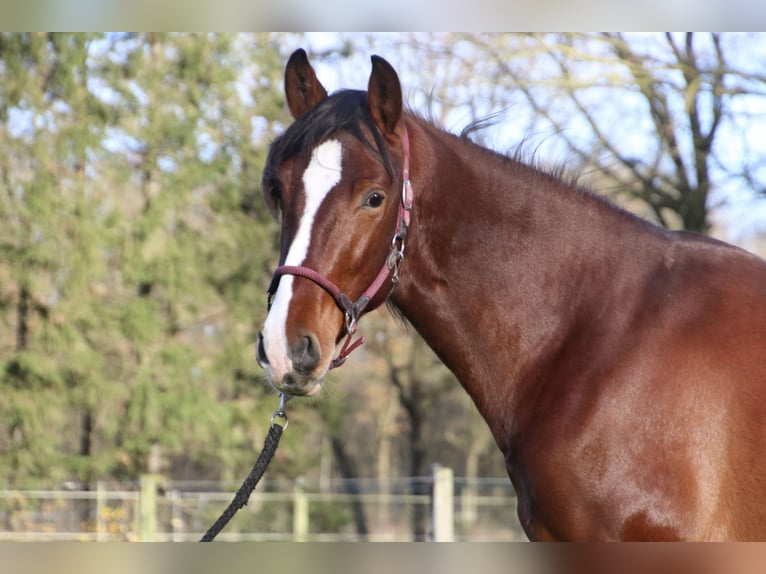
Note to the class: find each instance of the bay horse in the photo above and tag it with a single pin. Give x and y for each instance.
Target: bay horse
(620, 367)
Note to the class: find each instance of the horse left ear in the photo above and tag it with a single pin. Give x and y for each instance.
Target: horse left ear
(384, 93)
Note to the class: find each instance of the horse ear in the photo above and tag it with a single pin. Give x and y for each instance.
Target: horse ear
(384, 93)
(302, 89)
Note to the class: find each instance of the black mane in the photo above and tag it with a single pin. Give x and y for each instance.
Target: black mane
(344, 110)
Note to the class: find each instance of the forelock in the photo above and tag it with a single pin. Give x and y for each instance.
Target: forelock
(345, 110)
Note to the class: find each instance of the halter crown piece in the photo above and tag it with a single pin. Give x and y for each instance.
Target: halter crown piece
(352, 310)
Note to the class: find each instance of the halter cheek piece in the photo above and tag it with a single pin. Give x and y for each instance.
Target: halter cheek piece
(352, 310)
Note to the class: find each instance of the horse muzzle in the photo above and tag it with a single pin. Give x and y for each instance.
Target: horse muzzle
(292, 368)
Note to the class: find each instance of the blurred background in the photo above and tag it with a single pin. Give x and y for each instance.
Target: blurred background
(135, 251)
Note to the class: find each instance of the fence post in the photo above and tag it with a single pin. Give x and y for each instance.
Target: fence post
(300, 512)
(101, 509)
(147, 520)
(443, 504)
(469, 512)
(176, 521)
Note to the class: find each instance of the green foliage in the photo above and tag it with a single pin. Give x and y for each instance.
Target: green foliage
(128, 306)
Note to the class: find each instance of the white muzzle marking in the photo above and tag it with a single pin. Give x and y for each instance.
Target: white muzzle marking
(321, 176)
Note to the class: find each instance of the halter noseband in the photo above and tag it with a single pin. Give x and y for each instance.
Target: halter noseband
(353, 310)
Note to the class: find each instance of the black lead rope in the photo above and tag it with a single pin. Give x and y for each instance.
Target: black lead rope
(259, 468)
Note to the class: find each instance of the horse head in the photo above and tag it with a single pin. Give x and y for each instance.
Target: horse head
(335, 180)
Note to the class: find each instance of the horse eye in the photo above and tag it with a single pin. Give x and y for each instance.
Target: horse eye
(375, 199)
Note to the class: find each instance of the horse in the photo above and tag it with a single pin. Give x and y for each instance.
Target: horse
(620, 366)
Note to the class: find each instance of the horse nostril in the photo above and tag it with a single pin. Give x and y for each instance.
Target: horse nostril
(305, 354)
(260, 352)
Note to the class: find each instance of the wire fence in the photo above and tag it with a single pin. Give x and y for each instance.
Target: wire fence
(435, 507)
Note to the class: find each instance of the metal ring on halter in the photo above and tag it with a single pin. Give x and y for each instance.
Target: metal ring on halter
(280, 412)
(396, 256)
(350, 323)
(397, 243)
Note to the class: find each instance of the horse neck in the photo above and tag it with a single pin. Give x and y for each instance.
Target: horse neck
(495, 275)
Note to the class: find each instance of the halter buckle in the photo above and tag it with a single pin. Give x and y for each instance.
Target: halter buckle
(352, 311)
(396, 256)
(407, 200)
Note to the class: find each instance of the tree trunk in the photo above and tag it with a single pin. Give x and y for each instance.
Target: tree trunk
(348, 472)
(384, 470)
(22, 318)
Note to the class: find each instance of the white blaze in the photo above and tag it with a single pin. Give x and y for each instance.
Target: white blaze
(322, 174)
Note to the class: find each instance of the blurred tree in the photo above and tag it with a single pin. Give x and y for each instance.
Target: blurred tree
(196, 113)
(680, 86)
(426, 391)
(49, 239)
(130, 176)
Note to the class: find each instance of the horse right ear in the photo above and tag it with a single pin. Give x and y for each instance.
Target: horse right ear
(384, 94)
(302, 89)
